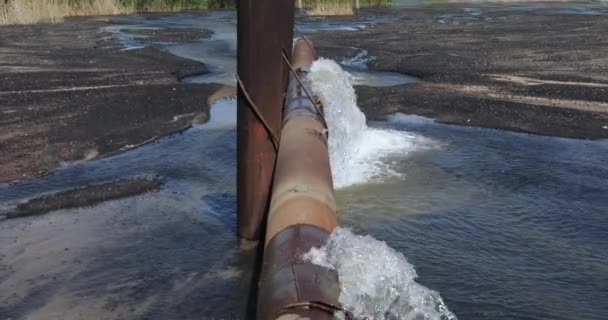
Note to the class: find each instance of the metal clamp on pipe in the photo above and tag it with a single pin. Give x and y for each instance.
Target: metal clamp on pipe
(302, 211)
(297, 103)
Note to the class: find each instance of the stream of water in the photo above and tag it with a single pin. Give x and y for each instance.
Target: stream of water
(437, 221)
(218, 52)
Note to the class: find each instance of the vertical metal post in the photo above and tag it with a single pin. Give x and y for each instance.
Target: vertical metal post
(265, 28)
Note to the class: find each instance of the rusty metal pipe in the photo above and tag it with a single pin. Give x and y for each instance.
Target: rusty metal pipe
(302, 211)
(265, 29)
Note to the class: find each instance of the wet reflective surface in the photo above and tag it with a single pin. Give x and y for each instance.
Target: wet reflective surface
(218, 52)
(171, 254)
(503, 225)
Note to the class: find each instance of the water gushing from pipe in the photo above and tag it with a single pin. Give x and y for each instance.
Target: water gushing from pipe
(377, 282)
(356, 150)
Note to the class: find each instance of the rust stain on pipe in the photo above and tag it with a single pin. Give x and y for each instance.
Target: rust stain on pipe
(265, 29)
(302, 211)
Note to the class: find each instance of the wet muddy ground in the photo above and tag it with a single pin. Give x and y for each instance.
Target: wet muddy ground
(68, 92)
(538, 69)
(82, 197)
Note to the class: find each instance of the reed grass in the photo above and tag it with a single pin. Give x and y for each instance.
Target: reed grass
(337, 7)
(331, 8)
(34, 11)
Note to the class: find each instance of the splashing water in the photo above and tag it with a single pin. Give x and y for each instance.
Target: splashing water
(360, 60)
(377, 282)
(356, 151)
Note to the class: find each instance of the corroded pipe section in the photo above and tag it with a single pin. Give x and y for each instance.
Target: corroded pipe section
(302, 211)
(265, 29)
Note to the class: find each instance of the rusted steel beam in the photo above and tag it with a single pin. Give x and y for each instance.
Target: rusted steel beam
(302, 211)
(265, 29)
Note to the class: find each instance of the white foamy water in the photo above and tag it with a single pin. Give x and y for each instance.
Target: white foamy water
(357, 152)
(359, 60)
(377, 282)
